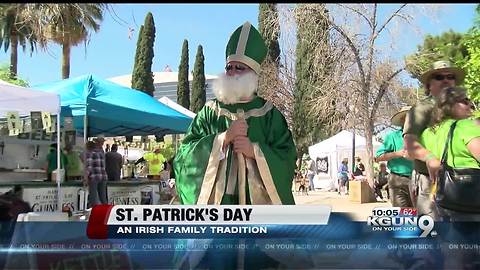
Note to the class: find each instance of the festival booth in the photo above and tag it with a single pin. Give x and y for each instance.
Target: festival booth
(110, 109)
(22, 141)
(95, 106)
(329, 153)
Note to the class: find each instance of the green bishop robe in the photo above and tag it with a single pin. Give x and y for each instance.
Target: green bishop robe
(206, 175)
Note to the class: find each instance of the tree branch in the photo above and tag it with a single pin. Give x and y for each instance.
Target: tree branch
(382, 90)
(354, 49)
(358, 13)
(396, 13)
(371, 48)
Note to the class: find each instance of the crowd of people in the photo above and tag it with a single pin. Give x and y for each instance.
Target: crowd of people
(239, 149)
(99, 163)
(414, 174)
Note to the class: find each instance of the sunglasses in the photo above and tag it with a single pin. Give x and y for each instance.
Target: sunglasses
(467, 101)
(236, 67)
(441, 77)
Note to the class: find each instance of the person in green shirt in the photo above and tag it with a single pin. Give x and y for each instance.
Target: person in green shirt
(400, 168)
(155, 162)
(453, 105)
(441, 75)
(52, 160)
(74, 166)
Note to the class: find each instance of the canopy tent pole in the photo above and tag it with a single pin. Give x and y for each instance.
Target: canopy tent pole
(59, 162)
(85, 127)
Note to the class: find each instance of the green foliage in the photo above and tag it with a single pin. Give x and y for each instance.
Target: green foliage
(142, 76)
(269, 28)
(5, 76)
(477, 16)
(14, 31)
(463, 50)
(472, 64)
(312, 33)
(199, 94)
(476, 114)
(136, 64)
(448, 46)
(183, 87)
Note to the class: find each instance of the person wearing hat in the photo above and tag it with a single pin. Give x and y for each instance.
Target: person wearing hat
(238, 149)
(99, 141)
(400, 167)
(426, 166)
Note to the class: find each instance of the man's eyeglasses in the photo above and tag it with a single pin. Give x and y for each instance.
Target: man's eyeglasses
(236, 67)
(467, 101)
(441, 77)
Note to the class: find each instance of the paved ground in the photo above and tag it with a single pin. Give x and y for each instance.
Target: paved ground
(340, 203)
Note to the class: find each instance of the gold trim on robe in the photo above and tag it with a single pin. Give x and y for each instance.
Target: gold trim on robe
(261, 187)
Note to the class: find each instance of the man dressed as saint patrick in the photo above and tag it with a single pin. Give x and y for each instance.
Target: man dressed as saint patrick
(238, 149)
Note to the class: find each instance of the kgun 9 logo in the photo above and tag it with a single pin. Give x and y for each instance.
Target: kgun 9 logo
(400, 219)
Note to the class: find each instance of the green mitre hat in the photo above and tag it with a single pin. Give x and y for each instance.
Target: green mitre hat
(247, 46)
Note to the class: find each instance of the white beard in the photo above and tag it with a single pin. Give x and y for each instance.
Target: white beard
(232, 89)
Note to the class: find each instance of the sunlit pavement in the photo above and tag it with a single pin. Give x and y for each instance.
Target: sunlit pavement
(339, 203)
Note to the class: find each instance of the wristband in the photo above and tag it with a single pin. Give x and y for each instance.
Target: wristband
(429, 157)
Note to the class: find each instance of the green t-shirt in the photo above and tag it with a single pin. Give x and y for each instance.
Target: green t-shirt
(74, 164)
(52, 161)
(394, 142)
(416, 121)
(155, 163)
(433, 139)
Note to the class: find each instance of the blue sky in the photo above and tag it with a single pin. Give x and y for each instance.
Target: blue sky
(111, 53)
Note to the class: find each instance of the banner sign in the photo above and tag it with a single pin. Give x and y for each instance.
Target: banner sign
(14, 123)
(46, 120)
(44, 199)
(132, 195)
(322, 165)
(36, 118)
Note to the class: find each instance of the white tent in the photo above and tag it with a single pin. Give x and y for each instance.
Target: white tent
(179, 108)
(24, 100)
(19, 99)
(330, 153)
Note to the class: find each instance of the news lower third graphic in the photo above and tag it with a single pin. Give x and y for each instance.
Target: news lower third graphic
(298, 237)
(165, 221)
(403, 222)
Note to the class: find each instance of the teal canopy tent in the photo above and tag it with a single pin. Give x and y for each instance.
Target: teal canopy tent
(113, 110)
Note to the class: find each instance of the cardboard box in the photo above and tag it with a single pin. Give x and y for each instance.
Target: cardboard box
(359, 191)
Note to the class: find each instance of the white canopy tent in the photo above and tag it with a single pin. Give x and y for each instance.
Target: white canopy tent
(330, 152)
(24, 100)
(179, 108)
(19, 99)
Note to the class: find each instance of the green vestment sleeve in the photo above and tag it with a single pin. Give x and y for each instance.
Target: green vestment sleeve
(203, 171)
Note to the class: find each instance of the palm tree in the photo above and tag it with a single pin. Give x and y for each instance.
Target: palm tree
(15, 30)
(65, 24)
(70, 25)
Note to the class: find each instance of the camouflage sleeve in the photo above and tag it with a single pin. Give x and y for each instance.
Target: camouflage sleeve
(418, 118)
